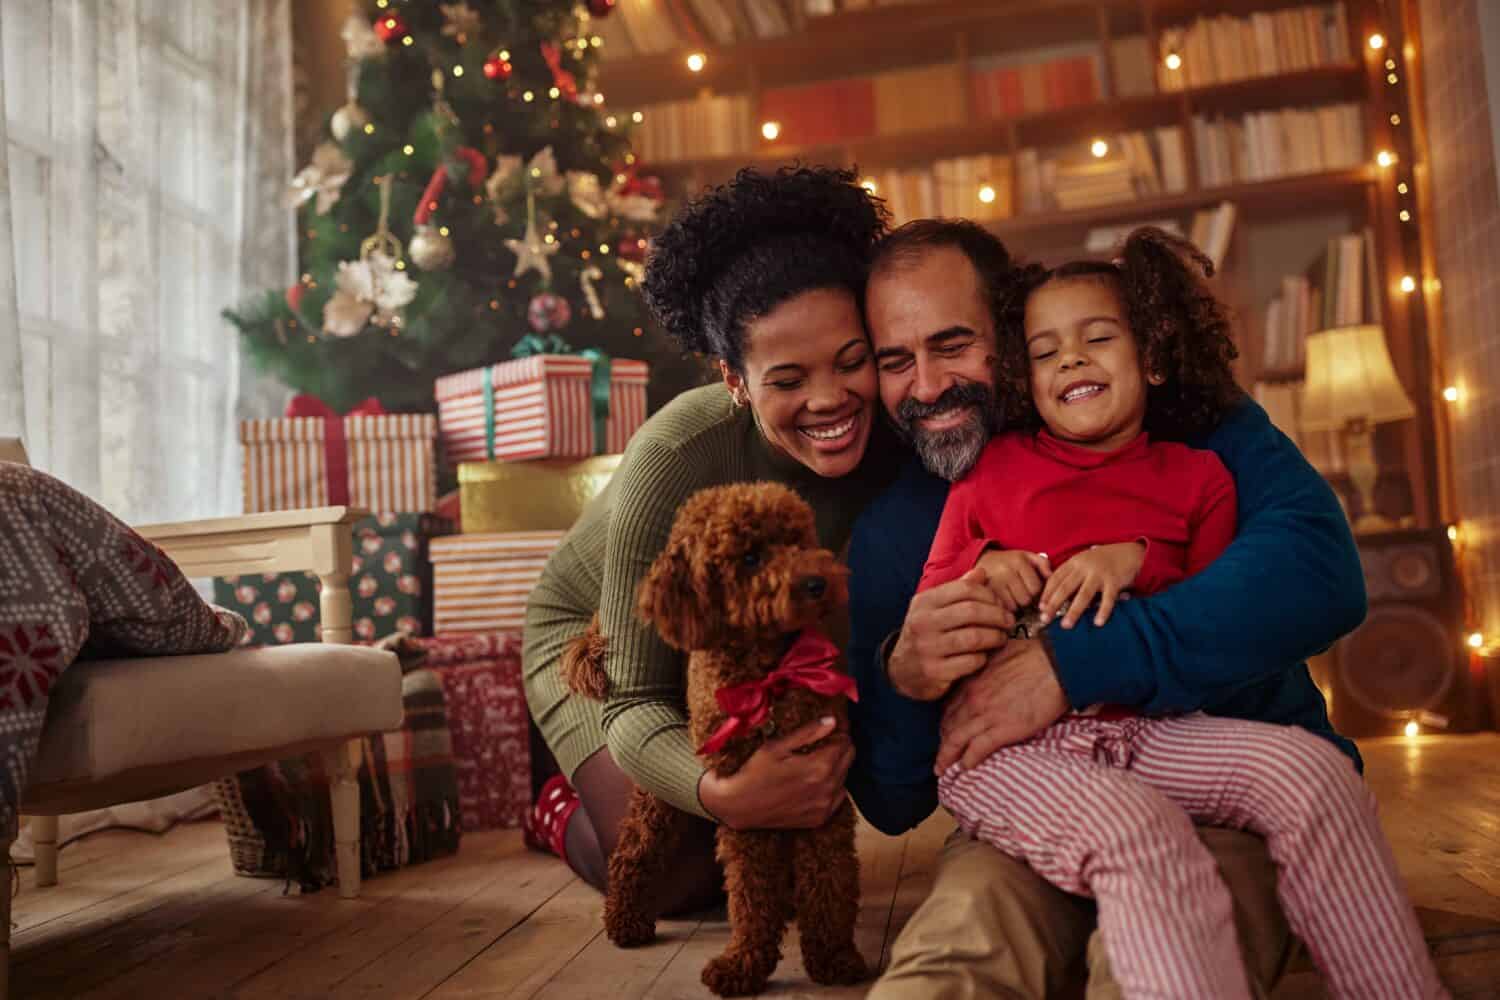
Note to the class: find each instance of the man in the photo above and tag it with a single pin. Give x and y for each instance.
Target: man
(1231, 640)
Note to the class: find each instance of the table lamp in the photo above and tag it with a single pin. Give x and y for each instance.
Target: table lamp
(1351, 386)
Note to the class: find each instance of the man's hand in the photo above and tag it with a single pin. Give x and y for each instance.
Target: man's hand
(949, 632)
(1103, 572)
(1016, 577)
(1013, 698)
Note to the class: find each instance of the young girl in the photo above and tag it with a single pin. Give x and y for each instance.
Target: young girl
(1099, 363)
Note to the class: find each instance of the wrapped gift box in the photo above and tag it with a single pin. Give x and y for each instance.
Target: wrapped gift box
(544, 495)
(543, 406)
(390, 584)
(378, 462)
(480, 582)
(488, 723)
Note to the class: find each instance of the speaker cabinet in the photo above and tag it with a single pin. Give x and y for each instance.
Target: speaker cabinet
(1408, 661)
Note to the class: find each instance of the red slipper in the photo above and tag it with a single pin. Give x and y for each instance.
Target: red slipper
(545, 827)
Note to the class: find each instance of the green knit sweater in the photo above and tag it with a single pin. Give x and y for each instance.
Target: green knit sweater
(697, 440)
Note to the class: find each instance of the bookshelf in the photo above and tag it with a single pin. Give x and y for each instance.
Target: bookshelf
(969, 37)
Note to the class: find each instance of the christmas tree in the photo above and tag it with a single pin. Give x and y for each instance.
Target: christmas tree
(474, 190)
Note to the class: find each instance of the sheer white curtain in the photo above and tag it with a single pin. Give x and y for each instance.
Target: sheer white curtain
(148, 146)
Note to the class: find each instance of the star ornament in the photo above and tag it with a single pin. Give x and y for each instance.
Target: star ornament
(532, 252)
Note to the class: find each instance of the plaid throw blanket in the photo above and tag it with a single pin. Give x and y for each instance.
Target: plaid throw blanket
(74, 582)
(277, 816)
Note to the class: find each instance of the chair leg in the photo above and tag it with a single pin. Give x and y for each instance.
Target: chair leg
(10, 871)
(341, 766)
(44, 842)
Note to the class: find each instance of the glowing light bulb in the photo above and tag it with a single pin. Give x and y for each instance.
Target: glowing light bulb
(1404, 215)
(986, 194)
(770, 131)
(1450, 394)
(598, 98)
(696, 62)
(1377, 41)
(442, 230)
(1402, 188)
(369, 128)
(528, 96)
(408, 40)
(1099, 148)
(458, 71)
(554, 93)
(1385, 157)
(637, 117)
(869, 185)
(505, 55)
(1408, 284)
(1412, 729)
(1452, 532)
(1174, 61)
(1395, 119)
(408, 149)
(1476, 640)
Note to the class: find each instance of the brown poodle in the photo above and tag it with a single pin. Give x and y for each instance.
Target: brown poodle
(740, 578)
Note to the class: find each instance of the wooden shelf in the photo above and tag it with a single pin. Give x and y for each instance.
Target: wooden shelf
(1041, 129)
(1281, 196)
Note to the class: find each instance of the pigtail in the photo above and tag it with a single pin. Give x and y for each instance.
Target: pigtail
(1183, 330)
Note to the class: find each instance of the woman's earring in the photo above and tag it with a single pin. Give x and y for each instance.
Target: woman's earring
(739, 397)
(1155, 378)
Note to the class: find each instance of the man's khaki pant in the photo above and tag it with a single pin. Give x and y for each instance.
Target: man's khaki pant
(991, 927)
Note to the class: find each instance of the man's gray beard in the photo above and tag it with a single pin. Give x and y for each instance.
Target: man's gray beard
(952, 453)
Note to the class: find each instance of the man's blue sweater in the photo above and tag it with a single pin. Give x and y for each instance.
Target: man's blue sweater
(1232, 640)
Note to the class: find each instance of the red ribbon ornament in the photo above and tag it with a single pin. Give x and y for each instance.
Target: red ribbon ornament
(439, 182)
(808, 664)
(565, 81)
(335, 442)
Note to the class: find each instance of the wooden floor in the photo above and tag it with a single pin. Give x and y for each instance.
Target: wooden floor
(143, 916)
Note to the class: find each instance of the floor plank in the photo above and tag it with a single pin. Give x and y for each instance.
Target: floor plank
(148, 916)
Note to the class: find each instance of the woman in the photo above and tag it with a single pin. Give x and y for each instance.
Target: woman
(764, 275)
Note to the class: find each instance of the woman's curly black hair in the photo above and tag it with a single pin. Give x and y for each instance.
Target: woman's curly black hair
(1181, 329)
(743, 248)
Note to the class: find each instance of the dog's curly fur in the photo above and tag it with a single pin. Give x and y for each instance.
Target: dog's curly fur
(735, 580)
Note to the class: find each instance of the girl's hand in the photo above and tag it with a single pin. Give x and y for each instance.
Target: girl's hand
(1015, 577)
(780, 788)
(1103, 571)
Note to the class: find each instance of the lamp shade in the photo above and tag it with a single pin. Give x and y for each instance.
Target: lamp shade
(1350, 378)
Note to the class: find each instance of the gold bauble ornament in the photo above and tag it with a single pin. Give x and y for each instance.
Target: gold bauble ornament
(430, 250)
(347, 118)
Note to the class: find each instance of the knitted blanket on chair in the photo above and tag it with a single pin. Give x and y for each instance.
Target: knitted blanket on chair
(76, 582)
(277, 816)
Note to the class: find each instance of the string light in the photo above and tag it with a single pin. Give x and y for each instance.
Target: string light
(1392, 79)
(369, 128)
(528, 96)
(1450, 394)
(1408, 284)
(1099, 148)
(1452, 532)
(598, 98)
(1385, 157)
(1395, 119)
(637, 117)
(770, 131)
(1390, 64)
(458, 71)
(1174, 61)
(1476, 640)
(554, 93)
(869, 185)
(1412, 729)
(696, 62)
(442, 230)
(408, 149)
(400, 265)
(549, 239)
(408, 40)
(596, 42)
(1402, 188)
(1377, 41)
(611, 122)
(604, 248)
(505, 55)
(1404, 215)
(986, 194)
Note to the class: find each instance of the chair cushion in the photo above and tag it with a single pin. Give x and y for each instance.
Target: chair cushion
(109, 716)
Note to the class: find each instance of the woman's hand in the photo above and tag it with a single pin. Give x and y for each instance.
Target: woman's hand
(1102, 571)
(1016, 577)
(780, 788)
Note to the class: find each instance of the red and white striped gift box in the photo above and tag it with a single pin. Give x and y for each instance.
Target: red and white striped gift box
(543, 408)
(480, 583)
(389, 458)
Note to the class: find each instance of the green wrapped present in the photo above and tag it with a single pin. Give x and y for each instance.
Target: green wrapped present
(390, 583)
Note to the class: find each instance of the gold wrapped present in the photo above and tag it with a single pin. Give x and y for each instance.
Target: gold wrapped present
(543, 495)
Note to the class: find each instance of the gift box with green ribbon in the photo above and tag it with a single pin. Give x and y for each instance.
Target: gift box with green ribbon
(390, 584)
(548, 402)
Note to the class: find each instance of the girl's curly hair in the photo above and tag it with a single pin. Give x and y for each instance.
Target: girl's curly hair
(1180, 328)
(743, 248)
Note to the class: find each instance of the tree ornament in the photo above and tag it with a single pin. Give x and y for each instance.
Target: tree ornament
(294, 295)
(548, 312)
(390, 27)
(531, 251)
(586, 194)
(360, 40)
(323, 178)
(563, 80)
(586, 279)
(461, 21)
(372, 289)
(430, 250)
(601, 8)
(497, 69)
(512, 179)
(350, 116)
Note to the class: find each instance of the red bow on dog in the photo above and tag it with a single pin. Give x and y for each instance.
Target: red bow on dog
(809, 664)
